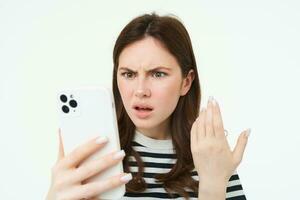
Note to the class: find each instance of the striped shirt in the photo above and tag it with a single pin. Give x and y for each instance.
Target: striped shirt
(159, 157)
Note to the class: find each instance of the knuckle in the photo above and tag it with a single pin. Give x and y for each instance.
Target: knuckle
(102, 163)
(86, 191)
(114, 182)
(83, 149)
(77, 152)
(108, 161)
(96, 166)
(89, 170)
(90, 190)
(210, 147)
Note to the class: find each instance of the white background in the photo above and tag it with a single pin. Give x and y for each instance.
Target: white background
(247, 54)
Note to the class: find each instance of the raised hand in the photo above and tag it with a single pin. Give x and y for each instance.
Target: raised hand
(213, 158)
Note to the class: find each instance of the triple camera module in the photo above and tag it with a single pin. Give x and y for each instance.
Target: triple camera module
(68, 102)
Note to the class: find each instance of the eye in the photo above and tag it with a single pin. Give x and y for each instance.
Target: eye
(159, 73)
(127, 74)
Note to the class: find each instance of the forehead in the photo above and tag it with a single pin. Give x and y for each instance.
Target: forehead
(148, 52)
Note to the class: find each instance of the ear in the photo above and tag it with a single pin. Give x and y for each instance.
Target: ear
(187, 82)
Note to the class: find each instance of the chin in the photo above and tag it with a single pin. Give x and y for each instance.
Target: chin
(143, 123)
(149, 122)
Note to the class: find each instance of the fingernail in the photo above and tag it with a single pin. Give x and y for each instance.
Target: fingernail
(101, 140)
(119, 154)
(247, 134)
(210, 98)
(126, 178)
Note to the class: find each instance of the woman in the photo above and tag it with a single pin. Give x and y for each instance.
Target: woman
(172, 150)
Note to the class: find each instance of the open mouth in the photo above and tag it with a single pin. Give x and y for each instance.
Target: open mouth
(143, 109)
(143, 112)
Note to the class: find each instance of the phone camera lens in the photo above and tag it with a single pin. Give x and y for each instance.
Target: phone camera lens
(73, 103)
(65, 109)
(63, 98)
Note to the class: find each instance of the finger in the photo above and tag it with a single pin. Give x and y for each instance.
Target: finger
(94, 167)
(208, 120)
(61, 153)
(93, 189)
(239, 149)
(217, 120)
(201, 125)
(194, 138)
(82, 152)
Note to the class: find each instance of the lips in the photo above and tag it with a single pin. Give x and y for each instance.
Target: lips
(142, 111)
(143, 107)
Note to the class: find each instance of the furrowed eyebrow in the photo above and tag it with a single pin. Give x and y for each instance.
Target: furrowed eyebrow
(154, 69)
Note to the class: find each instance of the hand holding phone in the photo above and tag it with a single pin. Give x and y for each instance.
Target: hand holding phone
(67, 179)
(85, 114)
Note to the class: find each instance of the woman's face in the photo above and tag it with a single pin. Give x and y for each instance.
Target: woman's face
(149, 76)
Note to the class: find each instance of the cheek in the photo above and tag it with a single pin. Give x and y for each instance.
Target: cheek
(168, 89)
(167, 94)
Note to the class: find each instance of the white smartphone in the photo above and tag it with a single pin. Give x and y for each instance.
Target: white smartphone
(85, 113)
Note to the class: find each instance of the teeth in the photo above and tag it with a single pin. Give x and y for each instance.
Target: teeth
(143, 108)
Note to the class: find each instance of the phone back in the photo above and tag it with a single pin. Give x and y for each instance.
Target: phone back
(85, 113)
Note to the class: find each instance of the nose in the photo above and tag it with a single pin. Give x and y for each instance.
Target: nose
(142, 90)
(142, 93)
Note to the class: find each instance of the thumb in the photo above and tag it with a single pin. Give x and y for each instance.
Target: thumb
(239, 149)
(61, 153)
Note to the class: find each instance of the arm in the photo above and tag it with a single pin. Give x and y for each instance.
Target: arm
(212, 190)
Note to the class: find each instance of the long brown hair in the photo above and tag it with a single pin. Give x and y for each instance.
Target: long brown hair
(172, 33)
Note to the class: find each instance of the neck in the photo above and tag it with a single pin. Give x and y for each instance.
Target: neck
(161, 132)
